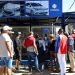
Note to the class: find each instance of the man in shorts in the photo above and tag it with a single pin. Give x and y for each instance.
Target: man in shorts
(17, 49)
(6, 51)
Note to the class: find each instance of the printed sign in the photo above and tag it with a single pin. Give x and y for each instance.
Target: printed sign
(55, 8)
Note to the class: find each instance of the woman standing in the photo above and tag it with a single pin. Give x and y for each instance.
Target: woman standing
(51, 48)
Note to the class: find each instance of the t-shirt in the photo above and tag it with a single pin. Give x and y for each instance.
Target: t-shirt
(61, 44)
(71, 42)
(29, 41)
(18, 42)
(51, 45)
(3, 49)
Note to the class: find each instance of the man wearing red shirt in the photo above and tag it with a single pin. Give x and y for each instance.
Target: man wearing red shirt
(30, 44)
(61, 49)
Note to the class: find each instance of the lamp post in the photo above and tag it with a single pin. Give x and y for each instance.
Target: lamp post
(52, 28)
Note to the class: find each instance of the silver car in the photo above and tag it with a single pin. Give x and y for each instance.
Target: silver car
(36, 9)
(11, 9)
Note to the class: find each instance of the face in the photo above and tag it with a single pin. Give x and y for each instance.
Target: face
(19, 35)
(9, 31)
(45, 38)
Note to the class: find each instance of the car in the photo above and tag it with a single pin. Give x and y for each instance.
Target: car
(11, 9)
(35, 9)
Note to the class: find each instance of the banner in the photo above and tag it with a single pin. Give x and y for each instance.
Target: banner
(11, 8)
(55, 8)
(37, 8)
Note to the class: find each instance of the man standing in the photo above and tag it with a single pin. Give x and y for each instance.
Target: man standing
(61, 49)
(30, 44)
(6, 52)
(71, 51)
(17, 49)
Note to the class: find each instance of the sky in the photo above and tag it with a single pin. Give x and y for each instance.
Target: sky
(67, 5)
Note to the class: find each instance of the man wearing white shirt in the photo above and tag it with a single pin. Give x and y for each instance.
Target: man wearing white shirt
(6, 52)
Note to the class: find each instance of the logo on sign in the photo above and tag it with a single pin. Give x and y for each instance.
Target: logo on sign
(54, 7)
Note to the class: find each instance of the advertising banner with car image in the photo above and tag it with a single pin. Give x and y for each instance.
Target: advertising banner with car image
(10, 8)
(37, 8)
(30, 8)
(43, 8)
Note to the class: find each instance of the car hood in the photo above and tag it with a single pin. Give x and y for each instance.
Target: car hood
(11, 6)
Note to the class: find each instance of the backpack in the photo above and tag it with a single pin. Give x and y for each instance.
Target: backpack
(72, 41)
(73, 35)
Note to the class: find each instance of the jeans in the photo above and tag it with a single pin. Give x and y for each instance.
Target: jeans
(33, 56)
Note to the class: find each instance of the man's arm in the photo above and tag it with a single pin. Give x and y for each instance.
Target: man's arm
(57, 44)
(8, 48)
(23, 43)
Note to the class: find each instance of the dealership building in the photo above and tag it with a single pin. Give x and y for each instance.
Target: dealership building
(40, 16)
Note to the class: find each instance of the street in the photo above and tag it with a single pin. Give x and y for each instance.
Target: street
(24, 71)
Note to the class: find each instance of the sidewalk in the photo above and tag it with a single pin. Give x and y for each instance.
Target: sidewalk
(23, 71)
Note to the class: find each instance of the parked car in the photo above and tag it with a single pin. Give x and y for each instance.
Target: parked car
(36, 9)
(11, 9)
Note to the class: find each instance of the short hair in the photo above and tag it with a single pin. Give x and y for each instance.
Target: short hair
(51, 35)
(60, 30)
(31, 33)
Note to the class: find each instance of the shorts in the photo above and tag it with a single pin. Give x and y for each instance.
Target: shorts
(6, 61)
(17, 56)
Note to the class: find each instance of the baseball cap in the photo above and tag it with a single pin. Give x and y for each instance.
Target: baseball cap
(19, 32)
(7, 28)
(74, 31)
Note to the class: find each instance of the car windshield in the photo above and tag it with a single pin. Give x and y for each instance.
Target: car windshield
(34, 4)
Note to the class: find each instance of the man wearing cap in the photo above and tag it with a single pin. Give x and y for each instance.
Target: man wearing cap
(17, 49)
(6, 52)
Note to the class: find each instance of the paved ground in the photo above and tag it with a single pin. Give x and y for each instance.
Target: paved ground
(23, 71)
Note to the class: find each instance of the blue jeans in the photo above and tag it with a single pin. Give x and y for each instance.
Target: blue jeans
(33, 56)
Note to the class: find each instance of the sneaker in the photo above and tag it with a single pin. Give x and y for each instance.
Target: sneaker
(16, 68)
(37, 70)
(42, 67)
(62, 74)
(72, 71)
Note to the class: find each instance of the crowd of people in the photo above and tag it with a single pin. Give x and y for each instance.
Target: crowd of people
(38, 49)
